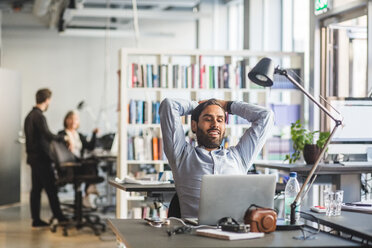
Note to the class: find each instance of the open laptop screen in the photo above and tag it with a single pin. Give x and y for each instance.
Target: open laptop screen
(231, 195)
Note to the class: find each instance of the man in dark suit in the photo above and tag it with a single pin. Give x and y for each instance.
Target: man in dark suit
(38, 138)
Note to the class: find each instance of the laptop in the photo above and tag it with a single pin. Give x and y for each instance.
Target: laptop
(108, 146)
(231, 195)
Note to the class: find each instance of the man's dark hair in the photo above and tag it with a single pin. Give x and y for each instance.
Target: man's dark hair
(42, 95)
(199, 109)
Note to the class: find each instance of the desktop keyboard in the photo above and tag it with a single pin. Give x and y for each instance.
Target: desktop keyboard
(356, 163)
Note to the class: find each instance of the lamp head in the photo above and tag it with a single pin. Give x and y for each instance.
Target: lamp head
(80, 105)
(263, 73)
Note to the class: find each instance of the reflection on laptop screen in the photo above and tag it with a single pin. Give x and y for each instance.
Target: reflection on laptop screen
(115, 145)
(231, 195)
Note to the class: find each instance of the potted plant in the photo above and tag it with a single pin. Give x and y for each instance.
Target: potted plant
(303, 141)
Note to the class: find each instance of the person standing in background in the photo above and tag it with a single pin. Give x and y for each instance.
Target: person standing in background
(38, 138)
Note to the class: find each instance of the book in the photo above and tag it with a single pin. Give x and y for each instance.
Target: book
(155, 76)
(132, 111)
(139, 111)
(149, 76)
(145, 113)
(134, 75)
(155, 148)
(169, 76)
(219, 234)
(163, 76)
(139, 146)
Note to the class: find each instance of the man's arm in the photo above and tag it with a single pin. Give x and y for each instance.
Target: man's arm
(173, 134)
(253, 139)
(44, 130)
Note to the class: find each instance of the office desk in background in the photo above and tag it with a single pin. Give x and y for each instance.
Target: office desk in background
(162, 192)
(137, 233)
(130, 187)
(343, 177)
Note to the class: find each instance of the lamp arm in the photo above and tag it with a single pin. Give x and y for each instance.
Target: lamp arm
(284, 72)
(311, 173)
(324, 148)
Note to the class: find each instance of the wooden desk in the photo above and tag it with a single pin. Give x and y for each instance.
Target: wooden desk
(343, 177)
(137, 233)
(353, 223)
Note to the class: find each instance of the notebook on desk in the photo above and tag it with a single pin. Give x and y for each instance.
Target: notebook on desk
(231, 195)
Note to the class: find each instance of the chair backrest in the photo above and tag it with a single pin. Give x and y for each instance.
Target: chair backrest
(174, 207)
(60, 153)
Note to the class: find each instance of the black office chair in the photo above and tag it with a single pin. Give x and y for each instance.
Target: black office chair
(70, 171)
(174, 207)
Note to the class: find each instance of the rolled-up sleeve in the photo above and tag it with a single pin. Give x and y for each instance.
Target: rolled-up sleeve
(173, 134)
(252, 141)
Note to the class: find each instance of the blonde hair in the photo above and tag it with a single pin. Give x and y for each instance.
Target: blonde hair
(68, 115)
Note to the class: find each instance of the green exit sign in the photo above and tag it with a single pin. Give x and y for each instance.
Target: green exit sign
(321, 6)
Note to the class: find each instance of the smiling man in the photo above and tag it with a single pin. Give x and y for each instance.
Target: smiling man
(208, 121)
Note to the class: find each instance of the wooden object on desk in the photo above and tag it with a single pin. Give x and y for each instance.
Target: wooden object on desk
(137, 233)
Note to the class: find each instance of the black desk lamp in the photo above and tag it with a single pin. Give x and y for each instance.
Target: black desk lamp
(263, 74)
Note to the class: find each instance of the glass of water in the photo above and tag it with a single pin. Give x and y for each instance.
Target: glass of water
(333, 201)
(339, 197)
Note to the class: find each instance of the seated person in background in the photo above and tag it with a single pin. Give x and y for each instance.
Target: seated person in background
(78, 144)
(208, 121)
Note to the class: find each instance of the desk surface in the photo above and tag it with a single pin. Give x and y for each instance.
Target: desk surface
(323, 169)
(130, 187)
(357, 224)
(137, 233)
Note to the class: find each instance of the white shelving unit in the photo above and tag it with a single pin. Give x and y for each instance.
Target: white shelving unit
(157, 57)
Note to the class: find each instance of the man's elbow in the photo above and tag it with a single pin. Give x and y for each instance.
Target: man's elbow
(166, 102)
(268, 117)
(165, 105)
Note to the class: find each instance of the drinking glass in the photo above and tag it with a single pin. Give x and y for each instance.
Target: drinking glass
(333, 201)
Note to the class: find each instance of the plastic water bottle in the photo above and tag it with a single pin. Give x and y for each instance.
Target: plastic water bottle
(291, 190)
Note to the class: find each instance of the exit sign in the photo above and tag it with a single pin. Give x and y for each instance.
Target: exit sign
(321, 6)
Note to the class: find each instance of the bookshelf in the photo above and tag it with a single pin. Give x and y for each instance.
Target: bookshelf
(149, 76)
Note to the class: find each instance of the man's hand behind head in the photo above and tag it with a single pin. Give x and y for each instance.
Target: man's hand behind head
(223, 103)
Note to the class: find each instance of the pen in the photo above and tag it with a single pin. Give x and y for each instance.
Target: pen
(358, 204)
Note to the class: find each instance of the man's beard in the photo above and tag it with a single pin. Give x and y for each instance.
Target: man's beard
(206, 141)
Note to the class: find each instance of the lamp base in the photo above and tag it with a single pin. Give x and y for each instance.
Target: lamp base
(283, 225)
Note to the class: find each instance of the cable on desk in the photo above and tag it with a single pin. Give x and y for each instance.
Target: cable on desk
(191, 226)
(312, 234)
(185, 228)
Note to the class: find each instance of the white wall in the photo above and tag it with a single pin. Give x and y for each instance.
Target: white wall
(265, 25)
(73, 67)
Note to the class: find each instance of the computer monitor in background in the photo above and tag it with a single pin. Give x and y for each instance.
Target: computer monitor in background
(356, 134)
(106, 141)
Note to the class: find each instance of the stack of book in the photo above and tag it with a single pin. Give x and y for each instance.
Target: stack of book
(196, 76)
(138, 112)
